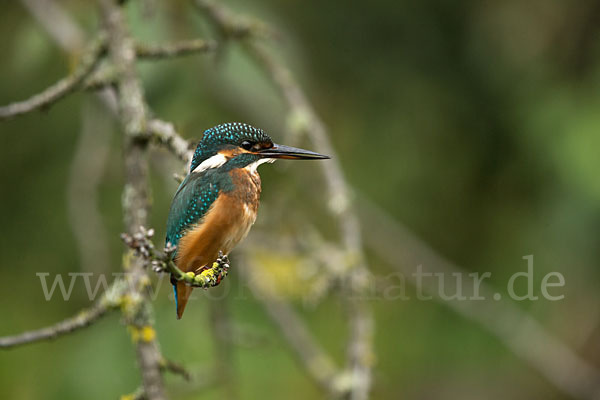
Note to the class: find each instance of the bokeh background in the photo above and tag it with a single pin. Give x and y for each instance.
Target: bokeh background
(475, 124)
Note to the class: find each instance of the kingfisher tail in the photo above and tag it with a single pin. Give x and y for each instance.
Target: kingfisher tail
(182, 295)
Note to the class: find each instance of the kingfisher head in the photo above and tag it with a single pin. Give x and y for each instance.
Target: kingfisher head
(239, 145)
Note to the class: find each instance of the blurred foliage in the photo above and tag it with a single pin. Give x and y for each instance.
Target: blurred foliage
(476, 123)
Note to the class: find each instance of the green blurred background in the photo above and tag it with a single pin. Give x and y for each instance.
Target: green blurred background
(474, 123)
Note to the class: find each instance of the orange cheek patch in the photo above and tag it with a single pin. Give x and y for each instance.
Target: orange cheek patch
(230, 153)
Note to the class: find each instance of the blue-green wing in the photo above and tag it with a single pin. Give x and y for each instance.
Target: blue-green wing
(191, 202)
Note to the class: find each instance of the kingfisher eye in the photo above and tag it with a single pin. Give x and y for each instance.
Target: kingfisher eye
(247, 145)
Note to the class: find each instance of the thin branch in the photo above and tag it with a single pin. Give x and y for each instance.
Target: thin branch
(64, 31)
(63, 87)
(165, 134)
(83, 319)
(175, 368)
(311, 125)
(106, 75)
(232, 25)
(136, 192)
(175, 49)
(360, 351)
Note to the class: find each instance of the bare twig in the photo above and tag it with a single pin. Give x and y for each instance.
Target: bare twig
(165, 134)
(64, 30)
(60, 89)
(81, 320)
(232, 25)
(175, 49)
(106, 76)
(175, 368)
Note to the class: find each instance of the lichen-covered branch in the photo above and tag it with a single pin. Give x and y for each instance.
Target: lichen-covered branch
(165, 134)
(132, 112)
(85, 77)
(119, 72)
(107, 74)
(63, 87)
(69, 36)
(360, 351)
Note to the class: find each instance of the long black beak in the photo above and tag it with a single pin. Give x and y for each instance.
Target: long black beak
(291, 153)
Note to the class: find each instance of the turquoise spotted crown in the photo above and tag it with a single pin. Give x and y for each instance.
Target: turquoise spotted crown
(220, 136)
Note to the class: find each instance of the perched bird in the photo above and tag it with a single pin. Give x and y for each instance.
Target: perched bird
(216, 204)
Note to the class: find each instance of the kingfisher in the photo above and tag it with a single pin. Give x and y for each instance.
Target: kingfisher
(216, 204)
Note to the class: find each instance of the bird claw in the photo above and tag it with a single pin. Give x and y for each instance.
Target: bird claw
(220, 267)
(223, 260)
(212, 276)
(223, 267)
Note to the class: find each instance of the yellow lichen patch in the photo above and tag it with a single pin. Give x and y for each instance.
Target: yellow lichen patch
(128, 396)
(190, 274)
(210, 273)
(147, 334)
(144, 334)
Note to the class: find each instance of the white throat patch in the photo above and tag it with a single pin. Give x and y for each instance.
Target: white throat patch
(213, 162)
(252, 167)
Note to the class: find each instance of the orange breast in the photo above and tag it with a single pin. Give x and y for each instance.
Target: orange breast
(226, 223)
